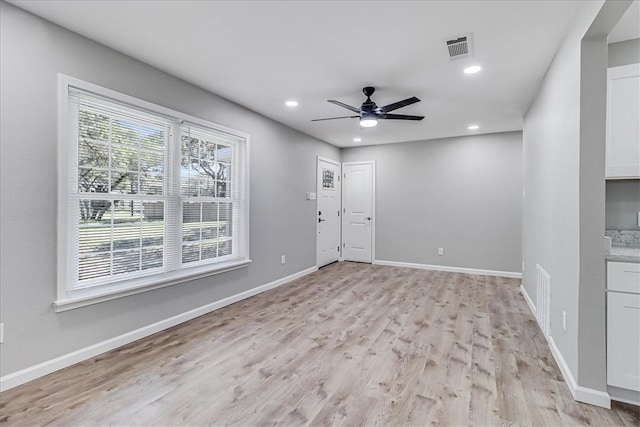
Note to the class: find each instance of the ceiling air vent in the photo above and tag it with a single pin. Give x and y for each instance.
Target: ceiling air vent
(459, 47)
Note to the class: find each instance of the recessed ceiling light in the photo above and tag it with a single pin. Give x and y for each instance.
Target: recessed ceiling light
(473, 127)
(357, 139)
(472, 69)
(291, 103)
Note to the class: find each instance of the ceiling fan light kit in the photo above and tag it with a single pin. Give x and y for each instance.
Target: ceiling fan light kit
(369, 113)
(368, 120)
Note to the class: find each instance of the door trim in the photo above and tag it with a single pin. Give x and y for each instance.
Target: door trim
(374, 216)
(339, 166)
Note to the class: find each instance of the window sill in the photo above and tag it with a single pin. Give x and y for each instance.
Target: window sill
(82, 298)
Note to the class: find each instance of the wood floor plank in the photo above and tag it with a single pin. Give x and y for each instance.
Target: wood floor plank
(351, 344)
(458, 385)
(511, 390)
(483, 403)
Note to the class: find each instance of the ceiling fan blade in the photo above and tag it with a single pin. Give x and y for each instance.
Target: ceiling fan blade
(343, 105)
(399, 117)
(399, 104)
(333, 118)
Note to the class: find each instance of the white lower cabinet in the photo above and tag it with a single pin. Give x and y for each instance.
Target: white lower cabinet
(623, 325)
(623, 340)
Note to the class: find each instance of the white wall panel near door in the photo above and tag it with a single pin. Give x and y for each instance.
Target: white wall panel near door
(358, 211)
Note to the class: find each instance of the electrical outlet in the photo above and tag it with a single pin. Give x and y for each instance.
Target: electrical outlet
(564, 320)
(440, 251)
(1, 333)
(283, 259)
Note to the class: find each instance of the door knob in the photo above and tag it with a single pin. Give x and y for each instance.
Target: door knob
(368, 218)
(321, 220)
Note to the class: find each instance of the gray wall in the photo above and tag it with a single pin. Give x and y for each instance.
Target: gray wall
(591, 302)
(461, 194)
(563, 212)
(551, 157)
(283, 163)
(624, 53)
(623, 204)
(593, 100)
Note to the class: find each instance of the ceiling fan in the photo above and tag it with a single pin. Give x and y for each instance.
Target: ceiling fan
(369, 113)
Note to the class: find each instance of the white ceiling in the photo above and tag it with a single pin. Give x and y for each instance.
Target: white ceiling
(628, 28)
(261, 53)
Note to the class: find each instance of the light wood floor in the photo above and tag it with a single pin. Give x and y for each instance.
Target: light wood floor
(352, 344)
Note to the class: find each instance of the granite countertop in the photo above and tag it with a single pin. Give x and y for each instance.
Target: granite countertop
(625, 245)
(623, 254)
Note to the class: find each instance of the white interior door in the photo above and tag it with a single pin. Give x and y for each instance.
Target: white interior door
(357, 219)
(328, 212)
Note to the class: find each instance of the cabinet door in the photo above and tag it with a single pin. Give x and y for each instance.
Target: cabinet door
(623, 122)
(623, 340)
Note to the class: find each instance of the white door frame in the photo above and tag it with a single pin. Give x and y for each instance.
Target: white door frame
(373, 207)
(338, 184)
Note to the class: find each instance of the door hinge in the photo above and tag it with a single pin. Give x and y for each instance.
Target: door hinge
(343, 245)
(338, 178)
(338, 248)
(338, 213)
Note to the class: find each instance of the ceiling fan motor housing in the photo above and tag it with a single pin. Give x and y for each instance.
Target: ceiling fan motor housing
(368, 105)
(369, 112)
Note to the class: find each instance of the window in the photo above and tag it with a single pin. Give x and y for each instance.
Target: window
(148, 196)
(327, 179)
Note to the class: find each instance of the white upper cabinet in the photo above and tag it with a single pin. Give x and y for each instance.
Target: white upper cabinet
(623, 122)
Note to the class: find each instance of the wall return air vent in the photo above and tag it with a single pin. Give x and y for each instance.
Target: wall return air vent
(458, 47)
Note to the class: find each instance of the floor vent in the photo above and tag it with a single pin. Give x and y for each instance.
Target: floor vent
(543, 300)
(459, 47)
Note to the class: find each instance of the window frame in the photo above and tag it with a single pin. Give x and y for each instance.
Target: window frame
(68, 298)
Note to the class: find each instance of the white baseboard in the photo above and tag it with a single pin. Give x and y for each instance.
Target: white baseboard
(529, 301)
(44, 368)
(579, 393)
(623, 395)
(464, 270)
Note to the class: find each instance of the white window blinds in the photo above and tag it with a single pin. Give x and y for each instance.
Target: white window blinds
(147, 196)
(210, 188)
